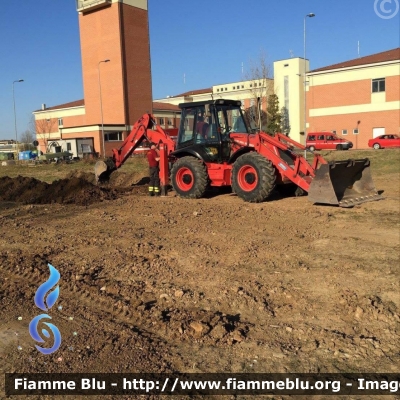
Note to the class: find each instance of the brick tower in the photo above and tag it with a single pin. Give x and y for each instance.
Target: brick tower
(116, 30)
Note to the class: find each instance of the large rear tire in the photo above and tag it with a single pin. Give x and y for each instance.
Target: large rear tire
(253, 177)
(189, 178)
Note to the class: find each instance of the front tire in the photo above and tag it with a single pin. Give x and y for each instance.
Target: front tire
(376, 146)
(189, 178)
(253, 177)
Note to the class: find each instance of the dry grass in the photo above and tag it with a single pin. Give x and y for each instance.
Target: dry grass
(382, 162)
(51, 172)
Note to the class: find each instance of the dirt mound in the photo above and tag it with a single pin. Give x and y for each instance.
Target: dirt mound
(117, 178)
(64, 191)
(87, 176)
(123, 179)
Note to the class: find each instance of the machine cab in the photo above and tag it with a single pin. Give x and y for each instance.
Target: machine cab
(205, 128)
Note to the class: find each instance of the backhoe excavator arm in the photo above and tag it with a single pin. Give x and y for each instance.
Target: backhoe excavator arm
(144, 127)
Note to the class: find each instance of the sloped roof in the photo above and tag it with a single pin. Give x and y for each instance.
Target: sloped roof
(194, 92)
(76, 103)
(165, 106)
(384, 56)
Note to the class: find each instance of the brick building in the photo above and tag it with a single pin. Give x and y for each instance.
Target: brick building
(116, 81)
(358, 99)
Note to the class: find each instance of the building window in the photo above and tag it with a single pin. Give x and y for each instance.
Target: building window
(251, 85)
(226, 89)
(60, 121)
(355, 131)
(113, 137)
(69, 147)
(286, 90)
(161, 121)
(344, 131)
(217, 90)
(334, 132)
(378, 85)
(169, 122)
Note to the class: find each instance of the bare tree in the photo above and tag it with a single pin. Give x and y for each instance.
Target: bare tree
(26, 140)
(43, 129)
(261, 86)
(252, 116)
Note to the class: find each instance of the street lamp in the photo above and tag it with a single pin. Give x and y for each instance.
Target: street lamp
(15, 118)
(101, 107)
(311, 15)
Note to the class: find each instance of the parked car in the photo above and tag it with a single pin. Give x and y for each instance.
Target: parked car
(383, 141)
(326, 141)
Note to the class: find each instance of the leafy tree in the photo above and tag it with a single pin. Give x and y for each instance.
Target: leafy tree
(285, 121)
(274, 123)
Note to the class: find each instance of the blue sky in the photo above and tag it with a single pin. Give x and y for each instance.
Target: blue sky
(207, 41)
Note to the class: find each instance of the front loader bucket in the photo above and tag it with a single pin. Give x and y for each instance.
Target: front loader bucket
(103, 169)
(343, 183)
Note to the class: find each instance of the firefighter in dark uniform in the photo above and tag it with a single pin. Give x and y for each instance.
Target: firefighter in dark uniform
(153, 158)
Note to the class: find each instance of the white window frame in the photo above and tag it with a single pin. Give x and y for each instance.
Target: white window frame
(355, 131)
(344, 132)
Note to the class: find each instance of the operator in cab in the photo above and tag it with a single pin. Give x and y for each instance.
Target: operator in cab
(153, 159)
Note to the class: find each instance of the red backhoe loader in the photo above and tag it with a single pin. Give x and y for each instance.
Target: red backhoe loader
(216, 148)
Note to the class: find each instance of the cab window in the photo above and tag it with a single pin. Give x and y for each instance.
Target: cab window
(186, 131)
(230, 119)
(311, 137)
(205, 126)
(321, 137)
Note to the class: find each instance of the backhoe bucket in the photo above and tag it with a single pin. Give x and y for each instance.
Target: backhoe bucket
(103, 169)
(343, 183)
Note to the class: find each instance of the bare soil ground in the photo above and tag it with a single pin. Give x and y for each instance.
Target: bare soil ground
(210, 285)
